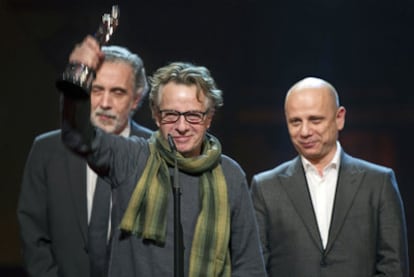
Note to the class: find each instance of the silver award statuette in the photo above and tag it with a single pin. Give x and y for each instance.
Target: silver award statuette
(77, 78)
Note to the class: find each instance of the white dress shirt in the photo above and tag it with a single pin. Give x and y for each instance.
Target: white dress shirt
(91, 179)
(322, 191)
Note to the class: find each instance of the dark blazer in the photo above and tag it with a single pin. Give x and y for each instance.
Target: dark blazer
(367, 236)
(52, 208)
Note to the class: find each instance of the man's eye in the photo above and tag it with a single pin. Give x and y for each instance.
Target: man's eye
(195, 116)
(295, 122)
(96, 93)
(170, 114)
(118, 92)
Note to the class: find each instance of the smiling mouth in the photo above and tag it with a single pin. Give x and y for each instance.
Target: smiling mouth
(307, 144)
(181, 139)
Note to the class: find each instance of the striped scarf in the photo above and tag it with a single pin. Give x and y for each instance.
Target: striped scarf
(146, 214)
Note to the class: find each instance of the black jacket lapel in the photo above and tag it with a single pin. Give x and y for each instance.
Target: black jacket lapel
(349, 181)
(296, 187)
(77, 182)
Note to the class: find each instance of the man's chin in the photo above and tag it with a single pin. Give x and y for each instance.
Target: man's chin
(182, 150)
(106, 128)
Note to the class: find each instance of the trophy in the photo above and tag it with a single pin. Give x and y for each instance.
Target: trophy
(77, 78)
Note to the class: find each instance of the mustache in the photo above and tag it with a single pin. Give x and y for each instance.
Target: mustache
(100, 112)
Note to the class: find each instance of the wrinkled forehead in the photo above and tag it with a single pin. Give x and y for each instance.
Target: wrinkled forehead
(310, 102)
(198, 93)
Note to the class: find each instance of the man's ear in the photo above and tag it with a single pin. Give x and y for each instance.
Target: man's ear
(340, 118)
(137, 100)
(156, 117)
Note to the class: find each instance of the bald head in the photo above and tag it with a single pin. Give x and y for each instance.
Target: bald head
(314, 84)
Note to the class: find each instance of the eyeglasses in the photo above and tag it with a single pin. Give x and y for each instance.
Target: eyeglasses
(172, 116)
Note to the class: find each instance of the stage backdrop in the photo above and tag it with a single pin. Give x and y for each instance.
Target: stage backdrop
(255, 50)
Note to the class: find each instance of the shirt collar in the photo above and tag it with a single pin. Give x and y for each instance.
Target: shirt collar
(127, 130)
(334, 163)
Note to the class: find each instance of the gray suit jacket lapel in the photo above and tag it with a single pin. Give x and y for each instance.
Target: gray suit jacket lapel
(349, 181)
(76, 176)
(296, 187)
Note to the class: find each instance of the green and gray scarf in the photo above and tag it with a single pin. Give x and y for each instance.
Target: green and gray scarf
(146, 215)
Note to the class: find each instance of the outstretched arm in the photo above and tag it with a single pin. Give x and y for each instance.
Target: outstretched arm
(77, 130)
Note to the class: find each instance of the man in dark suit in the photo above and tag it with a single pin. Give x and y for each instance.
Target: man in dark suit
(326, 213)
(57, 191)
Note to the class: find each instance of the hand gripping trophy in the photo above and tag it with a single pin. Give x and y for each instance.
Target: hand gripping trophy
(78, 77)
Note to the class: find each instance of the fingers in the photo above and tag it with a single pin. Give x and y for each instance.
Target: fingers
(88, 53)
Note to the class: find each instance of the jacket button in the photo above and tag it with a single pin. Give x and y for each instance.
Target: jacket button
(323, 262)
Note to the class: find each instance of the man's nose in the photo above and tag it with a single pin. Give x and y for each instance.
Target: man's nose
(305, 129)
(106, 101)
(181, 123)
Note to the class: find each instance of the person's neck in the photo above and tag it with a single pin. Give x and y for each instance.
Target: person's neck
(321, 164)
(126, 131)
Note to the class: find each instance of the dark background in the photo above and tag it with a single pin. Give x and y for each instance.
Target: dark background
(255, 50)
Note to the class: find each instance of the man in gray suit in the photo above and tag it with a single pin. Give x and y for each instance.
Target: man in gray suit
(325, 213)
(57, 191)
